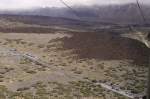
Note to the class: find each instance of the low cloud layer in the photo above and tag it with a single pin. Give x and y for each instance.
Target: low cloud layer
(27, 4)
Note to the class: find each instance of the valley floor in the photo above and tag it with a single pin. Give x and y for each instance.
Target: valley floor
(72, 68)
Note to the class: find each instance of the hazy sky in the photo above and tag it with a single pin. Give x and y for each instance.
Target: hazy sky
(26, 4)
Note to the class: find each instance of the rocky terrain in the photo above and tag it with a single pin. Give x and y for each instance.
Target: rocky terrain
(67, 61)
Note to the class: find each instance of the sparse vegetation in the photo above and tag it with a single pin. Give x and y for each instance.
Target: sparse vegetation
(75, 62)
(25, 61)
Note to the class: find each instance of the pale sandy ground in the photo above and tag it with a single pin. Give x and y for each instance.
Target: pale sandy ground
(63, 66)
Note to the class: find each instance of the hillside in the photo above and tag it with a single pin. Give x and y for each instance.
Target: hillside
(44, 57)
(127, 13)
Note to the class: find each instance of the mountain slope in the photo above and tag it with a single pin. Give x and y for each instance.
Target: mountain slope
(128, 13)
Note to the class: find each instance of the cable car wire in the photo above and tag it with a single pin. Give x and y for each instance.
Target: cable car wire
(79, 17)
(71, 9)
(141, 11)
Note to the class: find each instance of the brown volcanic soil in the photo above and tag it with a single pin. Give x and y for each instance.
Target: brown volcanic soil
(27, 30)
(64, 67)
(107, 46)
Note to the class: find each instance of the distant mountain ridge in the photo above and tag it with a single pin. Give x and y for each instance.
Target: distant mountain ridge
(128, 13)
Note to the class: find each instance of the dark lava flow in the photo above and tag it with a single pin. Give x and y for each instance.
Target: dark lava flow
(107, 46)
